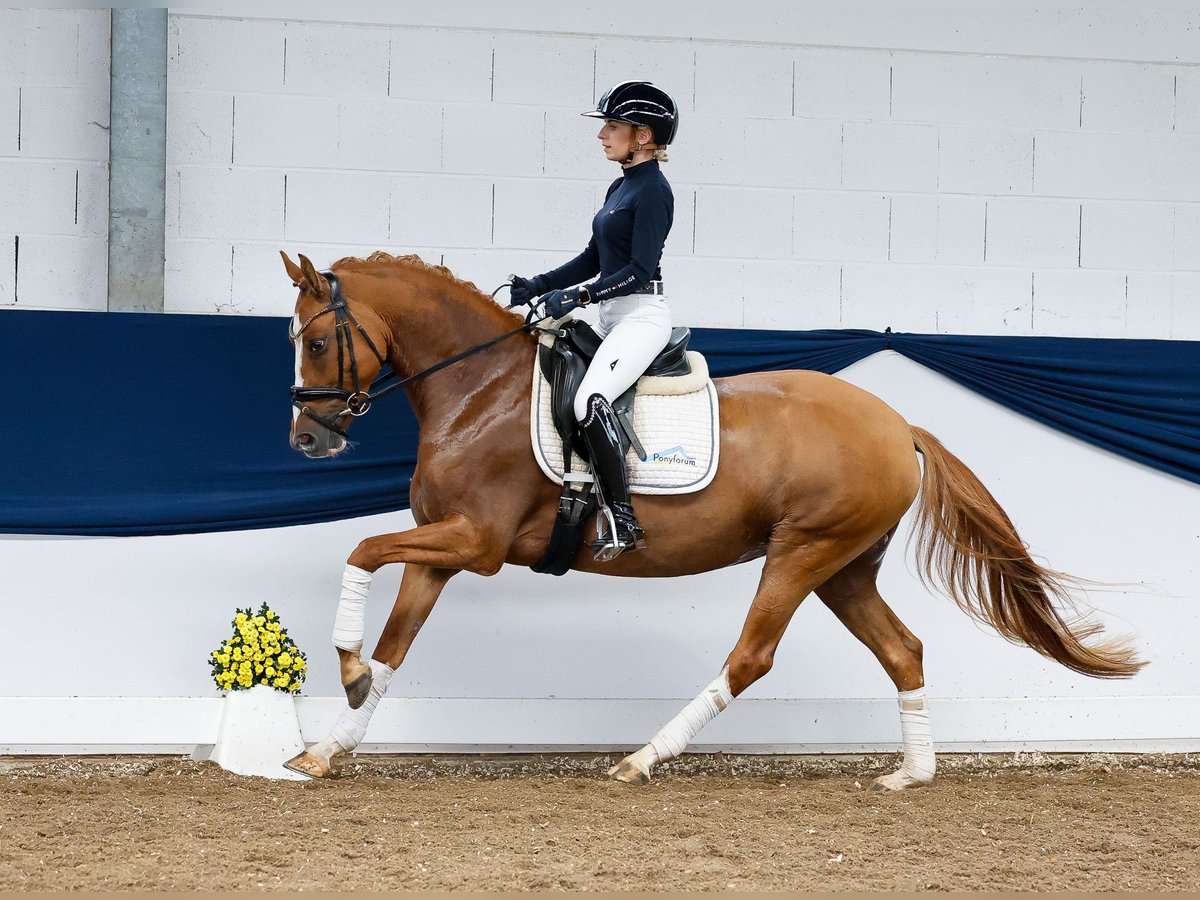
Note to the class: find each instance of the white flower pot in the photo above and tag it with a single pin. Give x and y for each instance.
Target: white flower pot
(259, 733)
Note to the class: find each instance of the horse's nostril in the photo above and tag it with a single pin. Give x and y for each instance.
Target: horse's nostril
(305, 439)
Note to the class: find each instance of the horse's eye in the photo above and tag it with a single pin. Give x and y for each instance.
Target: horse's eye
(316, 345)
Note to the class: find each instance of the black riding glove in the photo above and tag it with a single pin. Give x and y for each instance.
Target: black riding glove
(524, 290)
(559, 303)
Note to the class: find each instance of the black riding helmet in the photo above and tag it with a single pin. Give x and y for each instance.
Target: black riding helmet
(640, 103)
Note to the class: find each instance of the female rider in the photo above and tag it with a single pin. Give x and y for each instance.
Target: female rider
(628, 234)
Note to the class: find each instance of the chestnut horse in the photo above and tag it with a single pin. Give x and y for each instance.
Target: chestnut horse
(815, 475)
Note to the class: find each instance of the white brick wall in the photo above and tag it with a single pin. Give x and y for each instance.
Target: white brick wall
(54, 158)
(914, 182)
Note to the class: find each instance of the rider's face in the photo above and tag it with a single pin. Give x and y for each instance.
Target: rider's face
(618, 139)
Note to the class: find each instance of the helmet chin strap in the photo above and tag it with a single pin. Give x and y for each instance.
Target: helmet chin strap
(640, 148)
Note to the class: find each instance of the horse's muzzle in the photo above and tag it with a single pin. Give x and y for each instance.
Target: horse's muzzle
(317, 442)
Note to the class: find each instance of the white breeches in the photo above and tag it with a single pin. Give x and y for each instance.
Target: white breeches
(635, 329)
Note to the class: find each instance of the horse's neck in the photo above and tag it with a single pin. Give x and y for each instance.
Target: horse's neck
(432, 326)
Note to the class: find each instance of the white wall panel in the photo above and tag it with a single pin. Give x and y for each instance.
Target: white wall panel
(710, 150)
(348, 206)
(849, 225)
(483, 139)
(65, 122)
(37, 196)
(983, 90)
(1118, 166)
(749, 223)
(743, 81)
(554, 215)
(1149, 310)
(544, 70)
(10, 119)
(199, 277)
(277, 130)
(1024, 231)
(1128, 97)
(1185, 310)
(1186, 237)
(217, 203)
(53, 158)
(842, 84)
(389, 136)
(63, 272)
(225, 54)
(325, 60)
(889, 157)
(441, 66)
(984, 160)
(1187, 100)
(801, 153)
(1063, 302)
(931, 228)
(788, 295)
(442, 212)
(1127, 235)
(200, 128)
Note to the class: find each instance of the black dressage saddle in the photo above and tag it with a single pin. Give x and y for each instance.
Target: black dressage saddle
(564, 363)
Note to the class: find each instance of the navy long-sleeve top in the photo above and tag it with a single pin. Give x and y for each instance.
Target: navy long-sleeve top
(628, 234)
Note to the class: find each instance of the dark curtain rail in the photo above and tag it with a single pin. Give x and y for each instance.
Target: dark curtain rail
(127, 423)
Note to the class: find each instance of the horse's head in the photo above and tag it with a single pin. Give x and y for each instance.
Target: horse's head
(339, 351)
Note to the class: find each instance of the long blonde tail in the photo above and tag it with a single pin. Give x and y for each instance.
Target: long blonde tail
(967, 543)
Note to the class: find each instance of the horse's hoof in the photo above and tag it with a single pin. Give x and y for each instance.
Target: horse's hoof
(897, 781)
(357, 690)
(629, 773)
(307, 764)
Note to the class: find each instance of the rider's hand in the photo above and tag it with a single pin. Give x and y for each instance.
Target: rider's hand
(524, 290)
(559, 303)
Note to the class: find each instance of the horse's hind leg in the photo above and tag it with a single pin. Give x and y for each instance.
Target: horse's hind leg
(794, 567)
(853, 597)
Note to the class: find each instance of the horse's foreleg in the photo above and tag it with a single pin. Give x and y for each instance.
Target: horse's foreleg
(425, 550)
(788, 577)
(852, 596)
(453, 544)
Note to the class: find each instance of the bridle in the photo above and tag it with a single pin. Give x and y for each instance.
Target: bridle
(358, 401)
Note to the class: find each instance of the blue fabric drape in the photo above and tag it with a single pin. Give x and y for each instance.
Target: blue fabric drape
(128, 423)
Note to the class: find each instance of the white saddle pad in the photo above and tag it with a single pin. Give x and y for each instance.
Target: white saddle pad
(675, 418)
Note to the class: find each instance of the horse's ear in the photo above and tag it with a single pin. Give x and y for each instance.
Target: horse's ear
(293, 270)
(310, 279)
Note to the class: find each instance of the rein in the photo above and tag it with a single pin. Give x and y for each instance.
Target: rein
(358, 402)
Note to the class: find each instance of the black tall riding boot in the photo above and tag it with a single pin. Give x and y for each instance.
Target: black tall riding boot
(602, 434)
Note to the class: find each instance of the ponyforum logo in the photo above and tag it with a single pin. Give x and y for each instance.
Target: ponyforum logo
(675, 456)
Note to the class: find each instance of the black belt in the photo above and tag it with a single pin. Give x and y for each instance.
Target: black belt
(651, 287)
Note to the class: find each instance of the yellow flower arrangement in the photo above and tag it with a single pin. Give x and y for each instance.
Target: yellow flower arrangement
(260, 652)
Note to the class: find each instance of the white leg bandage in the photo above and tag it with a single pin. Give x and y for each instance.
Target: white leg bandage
(351, 725)
(350, 622)
(675, 735)
(919, 760)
